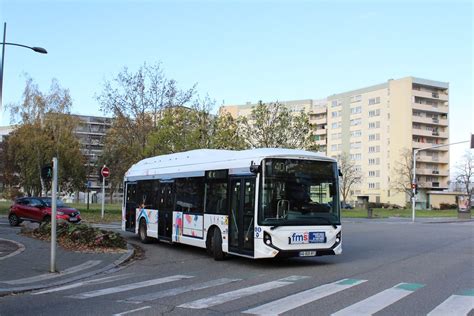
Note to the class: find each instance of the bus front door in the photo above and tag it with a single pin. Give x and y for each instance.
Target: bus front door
(241, 219)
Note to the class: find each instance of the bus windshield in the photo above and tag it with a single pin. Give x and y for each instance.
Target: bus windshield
(299, 192)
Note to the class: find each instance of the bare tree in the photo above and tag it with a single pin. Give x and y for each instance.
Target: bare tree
(465, 174)
(404, 173)
(351, 175)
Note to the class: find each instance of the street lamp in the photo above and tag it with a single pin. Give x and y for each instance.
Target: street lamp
(40, 50)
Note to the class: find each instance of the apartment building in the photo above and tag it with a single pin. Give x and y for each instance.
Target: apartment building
(91, 132)
(375, 126)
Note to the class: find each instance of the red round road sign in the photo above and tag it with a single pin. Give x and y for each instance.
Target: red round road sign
(105, 172)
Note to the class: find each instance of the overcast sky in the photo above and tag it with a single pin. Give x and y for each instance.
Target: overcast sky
(238, 51)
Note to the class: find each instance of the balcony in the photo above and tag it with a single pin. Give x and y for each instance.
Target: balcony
(433, 159)
(433, 185)
(430, 120)
(319, 109)
(321, 142)
(429, 172)
(431, 108)
(318, 121)
(428, 133)
(417, 145)
(320, 132)
(435, 95)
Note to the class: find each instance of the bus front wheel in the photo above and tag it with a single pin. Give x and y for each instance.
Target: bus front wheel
(217, 245)
(142, 232)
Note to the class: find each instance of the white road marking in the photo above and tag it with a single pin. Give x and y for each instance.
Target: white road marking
(233, 295)
(302, 298)
(177, 291)
(42, 277)
(379, 301)
(128, 287)
(79, 284)
(455, 305)
(20, 249)
(133, 311)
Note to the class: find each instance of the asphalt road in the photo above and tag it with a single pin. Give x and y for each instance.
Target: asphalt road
(387, 268)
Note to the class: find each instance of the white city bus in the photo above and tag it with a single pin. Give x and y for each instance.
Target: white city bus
(257, 203)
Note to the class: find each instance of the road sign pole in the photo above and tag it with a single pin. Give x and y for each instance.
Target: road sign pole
(53, 214)
(105, 172)
(103, 196)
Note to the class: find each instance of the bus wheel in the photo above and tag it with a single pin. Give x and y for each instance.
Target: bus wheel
(209, 243)
(142, 232)
(217, 245)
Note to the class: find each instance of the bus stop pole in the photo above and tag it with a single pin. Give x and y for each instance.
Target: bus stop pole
(53, 214)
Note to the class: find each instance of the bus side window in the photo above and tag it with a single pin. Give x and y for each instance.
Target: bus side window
(216, 197)
(190, 194)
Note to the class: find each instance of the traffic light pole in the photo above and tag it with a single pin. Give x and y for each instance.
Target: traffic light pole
(414, 184)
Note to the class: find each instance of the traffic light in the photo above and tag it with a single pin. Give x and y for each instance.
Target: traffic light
(472, 141)
(414, 186)
(47, 172)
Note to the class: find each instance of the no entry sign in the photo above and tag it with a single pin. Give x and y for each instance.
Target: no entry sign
(105, 171)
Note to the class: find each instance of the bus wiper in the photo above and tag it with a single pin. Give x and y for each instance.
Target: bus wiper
(327, 220)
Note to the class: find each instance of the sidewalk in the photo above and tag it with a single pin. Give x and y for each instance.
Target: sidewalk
(25, 262)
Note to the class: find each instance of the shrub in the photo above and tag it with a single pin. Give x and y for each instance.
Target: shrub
(82, 235)
(447, 206)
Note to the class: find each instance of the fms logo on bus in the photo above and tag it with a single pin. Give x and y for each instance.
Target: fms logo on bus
(307, 238)
(298, 238)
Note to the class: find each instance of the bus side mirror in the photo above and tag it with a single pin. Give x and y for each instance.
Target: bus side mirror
(340, 172)
(254, 168)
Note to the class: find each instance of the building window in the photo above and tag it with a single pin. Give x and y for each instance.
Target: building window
(374, 124)
(374, 113)
(356, 156)
(355, 122)
(374, 149)
(334, 103)
(374, 161)
(373, 101)
(336, 124)
(356, 110)
(356, 98)
(357, 133)
(373, 137)
(356, 145)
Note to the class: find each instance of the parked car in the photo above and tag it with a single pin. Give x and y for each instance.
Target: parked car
(346, 206)
(38, 209)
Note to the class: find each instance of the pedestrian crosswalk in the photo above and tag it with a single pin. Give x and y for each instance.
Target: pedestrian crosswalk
(283, 294)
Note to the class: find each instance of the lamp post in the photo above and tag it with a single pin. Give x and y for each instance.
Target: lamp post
(414, 184)
(40, 50)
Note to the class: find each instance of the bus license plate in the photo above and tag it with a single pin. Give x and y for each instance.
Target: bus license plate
(307, 253)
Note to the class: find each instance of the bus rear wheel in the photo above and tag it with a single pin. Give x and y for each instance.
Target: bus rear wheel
(142, 232)
(217, 245)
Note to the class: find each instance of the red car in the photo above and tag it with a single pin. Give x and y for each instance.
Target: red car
(38, 209)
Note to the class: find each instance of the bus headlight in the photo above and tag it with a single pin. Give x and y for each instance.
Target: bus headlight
(267, 239)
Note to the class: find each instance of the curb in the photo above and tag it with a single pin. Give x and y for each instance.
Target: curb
(16, 290)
